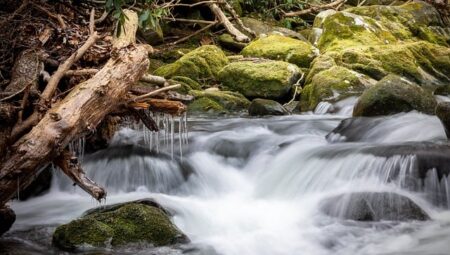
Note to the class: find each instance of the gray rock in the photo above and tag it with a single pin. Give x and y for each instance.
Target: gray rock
(443, 113)
(373, 206)
(261, 107)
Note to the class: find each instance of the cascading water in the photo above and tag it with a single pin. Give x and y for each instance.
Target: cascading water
(256, 186)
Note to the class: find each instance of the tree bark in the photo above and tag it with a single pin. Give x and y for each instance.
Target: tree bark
(240, 37)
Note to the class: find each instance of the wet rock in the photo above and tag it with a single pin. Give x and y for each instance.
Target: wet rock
(277, 47)
(373, 206)
(394, 94)
(117, 225)
(217, 102)
(266, 79)
(7, 218)
(262, 107)
(331, 85)
(202, 63)
(443, 113)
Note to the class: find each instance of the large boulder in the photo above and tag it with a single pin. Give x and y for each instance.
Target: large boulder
(266, 79)
(217, 102)
(394, 94)
(261, 107)
(373, 206)
(202, 63)
(139, 221)
(278, 47)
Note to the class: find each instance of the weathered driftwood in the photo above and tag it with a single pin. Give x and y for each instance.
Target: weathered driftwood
(79, 112)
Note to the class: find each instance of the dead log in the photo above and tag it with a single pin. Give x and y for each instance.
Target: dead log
(78, 113)
(69, 164)
(160, 105)
(240, 37)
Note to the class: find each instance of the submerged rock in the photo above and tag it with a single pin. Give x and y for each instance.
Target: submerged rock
(202, 63)
(267, 79)
(118, 225)
(217, 102)
(394, 94)
(278, 47)
(261, 107)
(373, 206)
(443, 113)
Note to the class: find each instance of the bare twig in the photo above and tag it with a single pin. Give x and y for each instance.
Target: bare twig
(155, 92)
(92, 22)
(315, 8)
(240, 37)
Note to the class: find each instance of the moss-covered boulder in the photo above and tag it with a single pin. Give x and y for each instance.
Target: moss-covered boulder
(268, 79)
(262, 107)
(187, 84)
(394, 94)
(217, 102)
(283, 48)
(331, 85)
(119, 225)
(228, 42)
(202, 63)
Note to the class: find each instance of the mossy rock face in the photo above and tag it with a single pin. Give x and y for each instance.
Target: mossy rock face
(283, 48)
(268, 79)
(203, 63)
(331, 85)
(122, 224)
(217, 102)
(394, 94)
(262, 107)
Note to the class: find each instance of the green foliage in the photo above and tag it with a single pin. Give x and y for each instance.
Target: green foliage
(150, 13)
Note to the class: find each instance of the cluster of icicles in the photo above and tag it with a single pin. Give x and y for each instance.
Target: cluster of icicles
(165, 138)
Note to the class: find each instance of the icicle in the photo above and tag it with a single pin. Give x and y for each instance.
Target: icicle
(172, 127)
(180, 135)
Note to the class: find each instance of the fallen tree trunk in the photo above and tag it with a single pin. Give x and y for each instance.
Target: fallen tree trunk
(79, 112)
(240, 37)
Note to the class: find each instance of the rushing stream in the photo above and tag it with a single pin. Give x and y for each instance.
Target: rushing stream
(255, 186)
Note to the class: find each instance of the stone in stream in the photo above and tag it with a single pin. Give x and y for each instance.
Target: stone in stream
(373, 206)
(394, 94)
(117, 225)
(261, 79)
(217, 102)
(443, 113)
(261, 107)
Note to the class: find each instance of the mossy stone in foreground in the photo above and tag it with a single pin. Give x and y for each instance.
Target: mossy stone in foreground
(268, 79)
(217, 102)
(394, 94)
(278, 47)
(202, 63)
(129, 223)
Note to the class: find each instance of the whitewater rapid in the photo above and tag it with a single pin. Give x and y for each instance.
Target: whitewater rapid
(247, 186)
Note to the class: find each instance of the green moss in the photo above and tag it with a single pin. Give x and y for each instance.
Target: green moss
(187, 84)
(128, 223)
(269, 79)
(394, 94)
(202, 63)
(217, 102)
(283, 48)
(331, 85)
